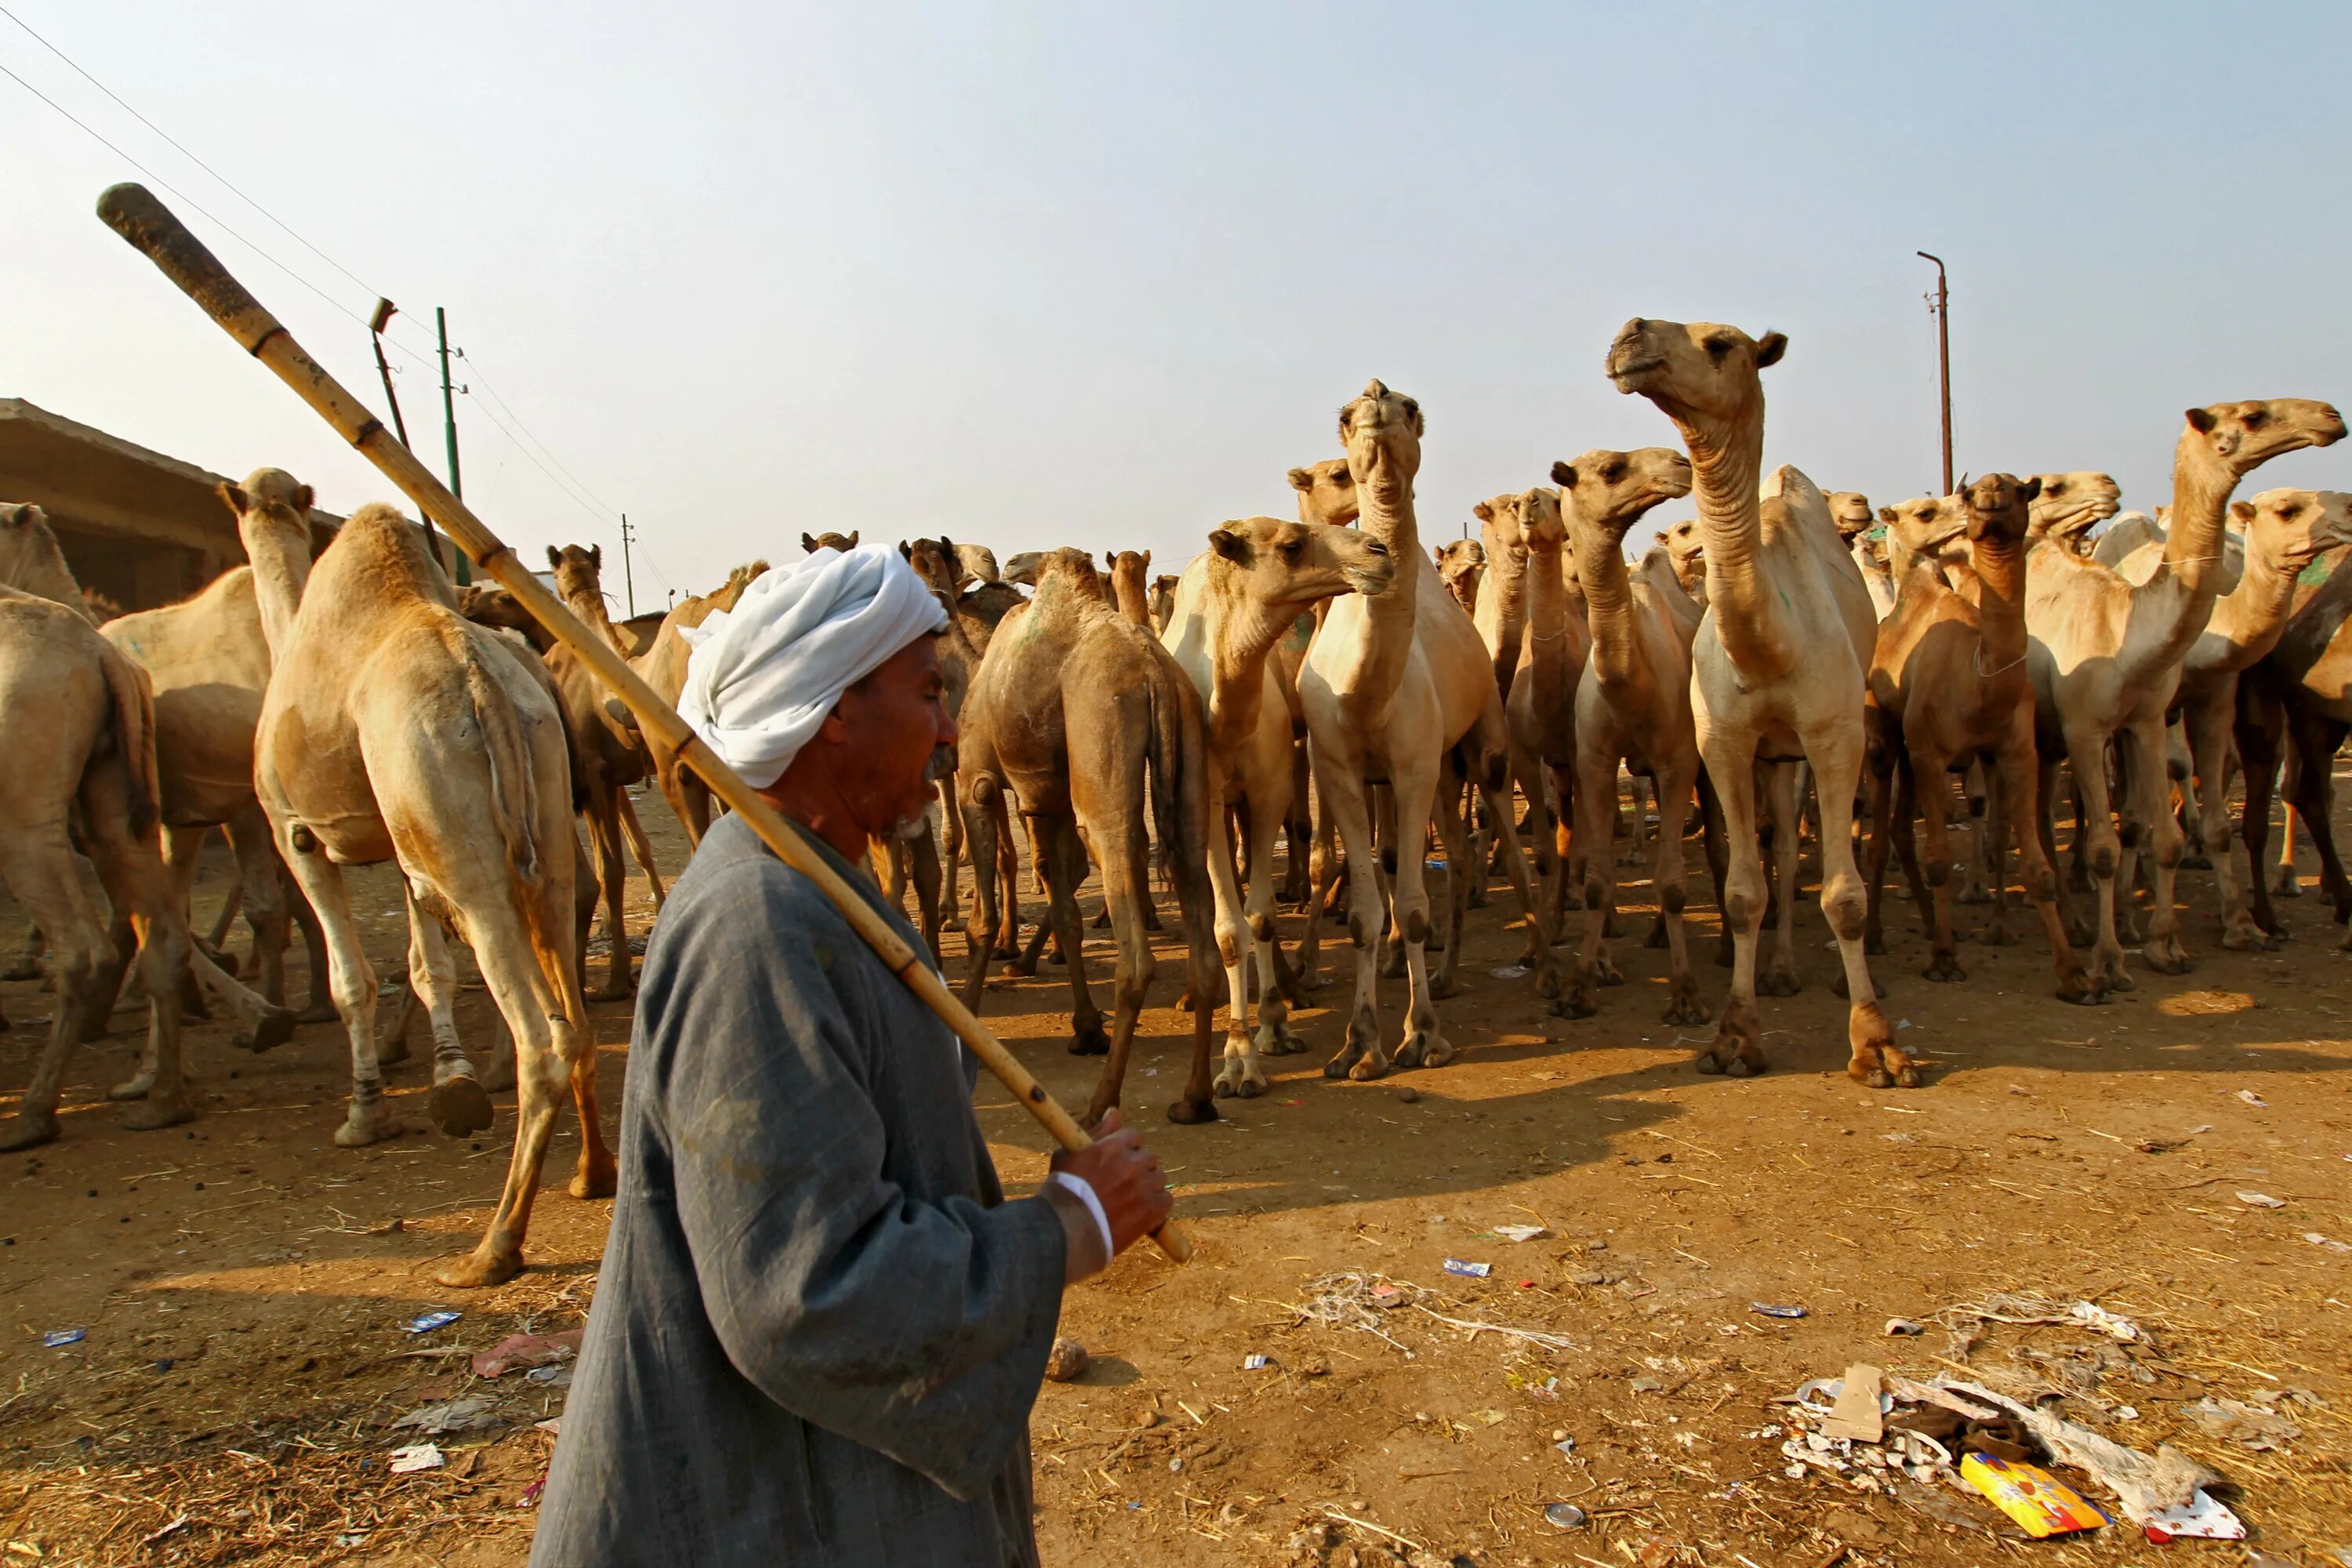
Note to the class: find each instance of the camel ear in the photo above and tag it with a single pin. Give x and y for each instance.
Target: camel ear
(235, 497)
(1300, 479)
(2202, 420)
(303, 497)
(1231, 543)
(1483, 512)
(2029, 489)
(808, 544)
(906, 551)
(1886, 514)
(24, 513)
(1564, 475)
(554, 558)
(1147, 562)
(947, 546)
(596, 556)
(853, 538)
(2244, 511)
(1769, 348)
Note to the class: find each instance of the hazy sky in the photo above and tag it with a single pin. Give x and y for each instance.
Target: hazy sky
(1090, 275)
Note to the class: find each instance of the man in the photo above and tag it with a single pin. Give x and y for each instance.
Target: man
(819, 1327)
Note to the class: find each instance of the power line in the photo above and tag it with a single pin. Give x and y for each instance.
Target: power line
(474, 367)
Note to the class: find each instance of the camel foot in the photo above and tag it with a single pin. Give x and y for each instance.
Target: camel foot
(1779, 977)
(2077, 986)
(1576, 1002)
(458, 1106)
(2082, 933)
(26, 1130)
(2285, 885)
(1058, 959)
(2166, 955)
(1423, 1049)
(152, 1114)
(1280, 1041)
(952, 923)
(485, 1265)
(1875, 1060)
(1874, 941)
(497, 1071)
(1192, 1112)
(273, 1029)
(1996, 934)
(23, 969)
(363, 1126)
(320, 1010)
(1657, 937)
(1241, 1079)
(1308, 980)
(1945, 969)
(1444, 984)
(1547, 975)
(1605, 971)
(1343, 1063)
(1610, 925)
(1724, 954)
(2245, 938)
(1973, 896)
(596, 1179)
(1738, 1046)
(2131, 928)
(393, 1052)
(616, 989)
(1088, 1041)
(135, 1087)
(1392, 961)
(1683, 1006)
(2192, 861)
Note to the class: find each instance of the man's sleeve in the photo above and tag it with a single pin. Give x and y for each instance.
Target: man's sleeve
(918, 1329)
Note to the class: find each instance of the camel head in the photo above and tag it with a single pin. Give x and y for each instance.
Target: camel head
(1998, 508)
(1503, 531)
(2238, 438)
(2296, 528)
(27, 548)
(1383, 430)
(1326, 492)
(978, 563)
(1687, 549)
(1072, 570)
(271, 504)
(936, 563)
(2069, 505)
(1703, 375)
(486, 605)
(1930, 528)
(1613, 490)
(1850, 510)
(1460, 563)
(578, 572)
(1287, 567)
(841, 541)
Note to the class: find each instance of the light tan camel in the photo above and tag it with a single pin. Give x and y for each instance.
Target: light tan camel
(2105, 660)
(1395, 688)
(607, 756)
(1634, 707)
(396, 730)
(1947, 684)
(663, 667)
(1072, 708)
(923, 859)
(1779, 666)
(1327, 498)
(1461, 562)
(1130, 584)
(2069, 506)
(1685, 548)
(2294, 709)
(978, 564)
(2286, 532)
(1234, 604)
(1850, 512)
(1540, 707)
(1500, 611)
(31, 562)
(1163, 600)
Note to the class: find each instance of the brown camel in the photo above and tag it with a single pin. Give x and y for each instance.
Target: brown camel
(841, 541)
(1500, 610)
(396, 730)
(1163, 600)
(1779, 666)
(1131, 580)
(1397, 687)
(1071, 709)
(2107, 658)
(663, 667)
(1234, 604)
(1461, 564)
(923, 857)
(1540, 709)
(1947, 683)
(607, 756)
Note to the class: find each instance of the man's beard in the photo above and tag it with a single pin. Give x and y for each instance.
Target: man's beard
(916, 823)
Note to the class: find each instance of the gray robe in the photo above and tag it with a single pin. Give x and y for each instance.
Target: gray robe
(819, 1328)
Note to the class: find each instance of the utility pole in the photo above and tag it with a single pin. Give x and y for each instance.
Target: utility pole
(628, 574)
(449, 423)
(1940, 303)
(384, 311)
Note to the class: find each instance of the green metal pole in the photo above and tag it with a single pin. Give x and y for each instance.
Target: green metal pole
(449, 427)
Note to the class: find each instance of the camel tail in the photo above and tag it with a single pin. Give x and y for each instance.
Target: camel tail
(1172, 751)
(135, 730)
(508, 750)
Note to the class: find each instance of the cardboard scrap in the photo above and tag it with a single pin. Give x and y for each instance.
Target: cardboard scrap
(1856, 1414)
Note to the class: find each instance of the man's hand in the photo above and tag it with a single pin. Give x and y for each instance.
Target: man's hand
(1126, 1179)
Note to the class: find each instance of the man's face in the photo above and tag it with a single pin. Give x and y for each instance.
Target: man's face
(882, 734)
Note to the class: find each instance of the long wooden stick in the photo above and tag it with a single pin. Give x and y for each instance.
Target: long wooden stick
(149, 227)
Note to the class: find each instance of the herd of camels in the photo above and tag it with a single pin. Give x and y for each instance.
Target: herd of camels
(1785, 660)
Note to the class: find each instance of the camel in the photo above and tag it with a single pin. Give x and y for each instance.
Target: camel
(1130, 579)
(2069, 506)
(208, 665)
(663, 667)
(842, 541)
(2107, 653)
(1850, 514)
(1632, 706)
(1685, 548)
(607, 756)
(1539, 707)
(1071, 709)
(1772, 681)
(1500, 610)
(31, 562)
(81, 742)
(1393, 685)
(1327, 498)
(396, 730)
(924, 857)
(1461, 564)
(2286, 532)
(977, 564)
(1234, 603)
(1163, 600)
(1947, 684)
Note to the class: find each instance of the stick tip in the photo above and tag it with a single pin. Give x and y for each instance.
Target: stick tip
(126, 204)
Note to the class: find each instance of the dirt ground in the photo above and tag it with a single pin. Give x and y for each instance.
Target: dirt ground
(243, 1282)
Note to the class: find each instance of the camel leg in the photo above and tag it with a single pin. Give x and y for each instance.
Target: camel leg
(1298, 831)
(2315, 740)
(2081, 928)
(951, 851)
(641, 848)
(353, 981)
(263, 894)
(1323, 867)
(1413, 790)
(1779, 977)
(2259, 730)
(1907, 848)
(1007, 935)
(1672, 791)
(1886, 762)
(1454, 843)
(1935, 807)
(2147, 800)
(923, 870)
(458, 1104)
(2087, 751)
(1062, 860)
(1240, 1073)
(1119, 833)
(1731, 760)
(611, 879)
(979, 833)
(2014, 770)
(37, 864)
(1595, 865)
(1718, 860)
(1550, 867)
(2284, 883)
(1991, 850)
(1515, 865)
(1836, 757)
(2207, 727)
(1347, 811)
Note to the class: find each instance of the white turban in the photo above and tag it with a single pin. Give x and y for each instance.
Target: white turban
(763, 676)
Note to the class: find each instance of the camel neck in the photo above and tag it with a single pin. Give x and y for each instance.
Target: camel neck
(279, 573)
(1130, 598)
(2201, 505)
(1724, 472)
(1546, 655)
(1389, 618)
(43, 574)
(1618, 657)
(1243, 635)
(2252, 616)
(1998, 565)
(588, 604)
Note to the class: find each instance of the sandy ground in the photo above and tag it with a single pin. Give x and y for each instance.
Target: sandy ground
(243, 1284)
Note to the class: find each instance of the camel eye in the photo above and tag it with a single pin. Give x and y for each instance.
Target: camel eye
(1613, 472)
(1716, 348)
(1290, 548)
(2257, 418)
